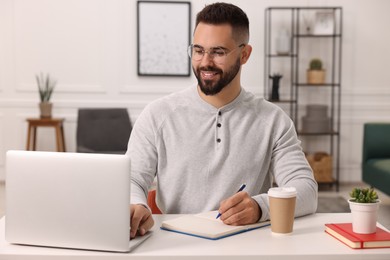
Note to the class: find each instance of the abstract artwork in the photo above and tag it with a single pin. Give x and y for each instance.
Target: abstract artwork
(163, 37)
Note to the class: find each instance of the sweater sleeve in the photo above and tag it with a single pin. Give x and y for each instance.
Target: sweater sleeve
(143, 156)
(289, 167)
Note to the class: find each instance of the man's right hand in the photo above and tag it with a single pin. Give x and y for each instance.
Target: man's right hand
(141, 220)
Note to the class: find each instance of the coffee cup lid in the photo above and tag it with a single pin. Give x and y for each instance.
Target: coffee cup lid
(282, 192)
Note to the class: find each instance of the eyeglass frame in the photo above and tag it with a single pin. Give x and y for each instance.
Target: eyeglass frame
(212, 55)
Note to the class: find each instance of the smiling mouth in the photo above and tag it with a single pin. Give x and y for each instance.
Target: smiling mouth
(208, 75)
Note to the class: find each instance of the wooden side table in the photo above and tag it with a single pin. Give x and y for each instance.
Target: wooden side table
(34, 123)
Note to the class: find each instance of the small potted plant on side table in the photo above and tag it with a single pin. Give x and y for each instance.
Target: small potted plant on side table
(364, 204)
(45, 86)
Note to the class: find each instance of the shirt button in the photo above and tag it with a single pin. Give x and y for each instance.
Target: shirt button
(219, 125)
(219, 113)
(218, 140)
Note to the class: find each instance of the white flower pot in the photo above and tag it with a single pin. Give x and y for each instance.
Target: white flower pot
(364, 217)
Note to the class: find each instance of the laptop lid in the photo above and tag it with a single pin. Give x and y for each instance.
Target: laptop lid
(69, 200)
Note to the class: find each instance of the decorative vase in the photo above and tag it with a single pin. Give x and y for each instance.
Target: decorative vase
(275, 86)
(45, 109)
(364, 216)
(315, 76)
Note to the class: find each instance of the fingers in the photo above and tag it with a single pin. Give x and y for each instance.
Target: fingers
(141, 220)
(146, 225)
(240, 209)
(231, 202)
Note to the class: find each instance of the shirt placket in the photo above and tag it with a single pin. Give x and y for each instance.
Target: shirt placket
(218, 129)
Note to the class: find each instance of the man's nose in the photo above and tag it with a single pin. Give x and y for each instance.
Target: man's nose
(207, 59)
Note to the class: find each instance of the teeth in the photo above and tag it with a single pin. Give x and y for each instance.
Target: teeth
(208, 74)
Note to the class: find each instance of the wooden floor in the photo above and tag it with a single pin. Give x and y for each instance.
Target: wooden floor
(384, 210)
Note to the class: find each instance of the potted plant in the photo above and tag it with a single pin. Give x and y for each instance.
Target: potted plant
(45, 87)
(315, 73)
(364, 204)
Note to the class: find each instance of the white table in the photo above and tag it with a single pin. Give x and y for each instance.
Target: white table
(308, 241)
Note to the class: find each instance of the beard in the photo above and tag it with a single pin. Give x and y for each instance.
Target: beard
(208, 87)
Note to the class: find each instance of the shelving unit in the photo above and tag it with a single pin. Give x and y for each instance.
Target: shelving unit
(306, 41)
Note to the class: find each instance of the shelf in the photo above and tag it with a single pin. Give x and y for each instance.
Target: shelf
(317, 85)
(321, 133)
(326, 46)
(314, 8)
(282, 101)
(327, 182)
(282, 55)
(317, 36)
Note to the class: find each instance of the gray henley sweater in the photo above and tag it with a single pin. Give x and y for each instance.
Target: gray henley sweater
(201, 155)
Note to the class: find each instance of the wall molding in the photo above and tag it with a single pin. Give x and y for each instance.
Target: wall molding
(72, 103)
(150, 89)
(62, 88)
(365, 91)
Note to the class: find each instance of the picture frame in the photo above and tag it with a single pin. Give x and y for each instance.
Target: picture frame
(324, 23)
(163, 32)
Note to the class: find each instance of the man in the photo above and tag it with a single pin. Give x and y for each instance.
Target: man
(202, 143)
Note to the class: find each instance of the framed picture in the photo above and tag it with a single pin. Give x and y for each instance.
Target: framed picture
(163, 38)
(324, 23)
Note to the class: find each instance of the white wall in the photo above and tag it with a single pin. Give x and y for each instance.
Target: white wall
(90, 46)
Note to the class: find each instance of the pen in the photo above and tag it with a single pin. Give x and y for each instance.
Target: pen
(241, 188)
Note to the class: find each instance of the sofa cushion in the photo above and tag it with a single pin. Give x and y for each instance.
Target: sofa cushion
(378, 174)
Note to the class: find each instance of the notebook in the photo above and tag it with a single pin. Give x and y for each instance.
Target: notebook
(69, 200)
(344, 233)
(205, 225)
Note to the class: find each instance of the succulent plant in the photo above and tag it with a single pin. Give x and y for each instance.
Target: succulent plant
(315, 64)
(363, 195)
(45, 86)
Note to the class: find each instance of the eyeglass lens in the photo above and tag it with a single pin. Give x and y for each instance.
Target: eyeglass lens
(217, 54)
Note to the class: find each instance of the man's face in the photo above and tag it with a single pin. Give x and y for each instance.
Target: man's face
(212, 74)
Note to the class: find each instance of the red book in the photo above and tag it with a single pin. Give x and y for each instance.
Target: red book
(344, 233)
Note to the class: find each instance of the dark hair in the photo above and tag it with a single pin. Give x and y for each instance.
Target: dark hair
(223, 13)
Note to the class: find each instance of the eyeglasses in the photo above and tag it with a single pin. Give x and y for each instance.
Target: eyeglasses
(217, 54)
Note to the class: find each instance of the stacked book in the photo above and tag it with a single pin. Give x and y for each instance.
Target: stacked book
(344, 233)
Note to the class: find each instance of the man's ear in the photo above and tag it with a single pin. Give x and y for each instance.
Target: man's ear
(246, 53)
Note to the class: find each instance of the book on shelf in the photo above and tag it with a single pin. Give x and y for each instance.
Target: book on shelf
(344, 233)
(205, 225)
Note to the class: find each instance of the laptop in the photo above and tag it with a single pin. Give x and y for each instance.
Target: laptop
(69, 200)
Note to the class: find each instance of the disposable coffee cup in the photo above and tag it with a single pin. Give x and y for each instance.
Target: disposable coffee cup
(282, 209)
